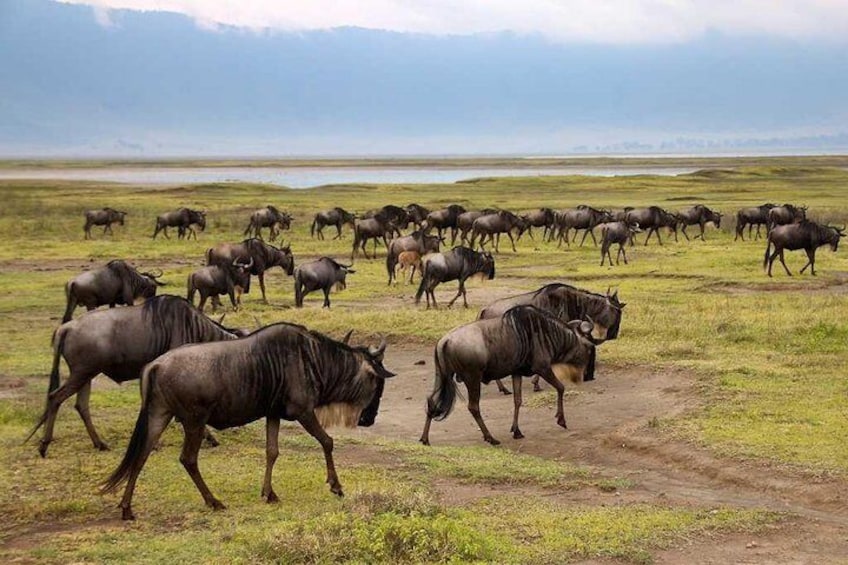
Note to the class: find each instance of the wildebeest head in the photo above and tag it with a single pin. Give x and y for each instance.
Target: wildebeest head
(618, 306)
(372, 369)
(341, 275)
(487, 266)
(198, 217)
(833, 236)
(149, 290)
(283, 257)
(583, 330)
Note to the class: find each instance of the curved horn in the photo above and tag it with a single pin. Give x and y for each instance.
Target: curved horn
(258, 322)
(155, 275)
(346, 338)
(380, 349)
(221, 319)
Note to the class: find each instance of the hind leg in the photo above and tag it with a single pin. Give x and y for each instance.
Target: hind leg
(82, 408)
(516, 391)
(473, 386)
(54, 401)
(272, 450)
(501, 388)
(188, 457)
(783, 262)
(157, 422)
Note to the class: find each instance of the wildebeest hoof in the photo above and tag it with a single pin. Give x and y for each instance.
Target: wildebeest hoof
(516, 434)
(337, 490)
(103, 446)
(42, 448)
(271, 498)
(217, 505)
(127, 514)
(537, 388)
(492, 440)
(424, 441)
(561, 422)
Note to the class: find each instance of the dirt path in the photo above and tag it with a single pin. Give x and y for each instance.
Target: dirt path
(612, 429)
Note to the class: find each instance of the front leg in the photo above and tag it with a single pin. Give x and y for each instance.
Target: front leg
(551, 379)
(311, 425)
(262, 286)
(272, 432)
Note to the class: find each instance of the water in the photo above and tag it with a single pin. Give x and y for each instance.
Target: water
(305, 177)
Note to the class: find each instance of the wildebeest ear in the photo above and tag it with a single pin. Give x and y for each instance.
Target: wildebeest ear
(346, 338)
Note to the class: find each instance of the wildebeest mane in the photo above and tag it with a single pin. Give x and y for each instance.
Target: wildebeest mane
(176, 321)
(125, 272)
(535, 330)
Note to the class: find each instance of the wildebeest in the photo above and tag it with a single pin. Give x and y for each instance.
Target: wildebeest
(264, 256)
(324, 274)
(698, 215)
(181, 219)
(416, 214)
(616, 232)
(394, 217)
(491, 226)
(805, 235)
(465, 222)
(118, 343)
(367, 229)
(116, 283)
(268, 217)
(621, 215)
(281, 372)
(754, 216)
(786, 214)
(524, 341)
(445, 219)
(409, 260)
(652, 219)
(458, 264)
(217, 280)
(582, 217)
(332, 217)
(541, 218)
(105, 217)
(416, 241)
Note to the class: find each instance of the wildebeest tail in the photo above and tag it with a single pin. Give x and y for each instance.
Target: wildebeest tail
(422, 285)
(589, 372)
(72, 302)
(138, 441)
(58, 346)
(441, 400)
(391, 263)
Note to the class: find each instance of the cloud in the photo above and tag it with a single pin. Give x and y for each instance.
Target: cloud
(594, 21)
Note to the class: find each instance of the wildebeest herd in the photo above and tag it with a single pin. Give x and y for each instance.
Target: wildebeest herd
(203, 374)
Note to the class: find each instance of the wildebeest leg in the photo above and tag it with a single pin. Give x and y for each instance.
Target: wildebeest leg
(202, 304)
(81, 405)
(231, 292)
(758, 231)
(536, 387)
(473, 386)
(811, 257)
(209, 438)
(623, 253)
(585, 233)
(771, 259)
(683, 231)
(512, 241)
(157, 423)
(165, 232)
(460, 292)
(555, 382)
(497, 238)
(338, 231)
(783, 262)
(272, 432)
(326, 297)
(501, 388)
(453, 235)
(54, 401)
(262, 286)
(516, 388)
(188, 457)
(702, 225)
(311, 425)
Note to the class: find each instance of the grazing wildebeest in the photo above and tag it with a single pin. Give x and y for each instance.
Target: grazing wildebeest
(444, 219)
(216, 280)
(105, 217)
(281, 372)
(409, 260)
(181, 219)
(652, 219)
(116, 283)
(582, 217)
(416, 241)
(332, 217)
(268, 217)
(805, 235)
(324, 274)
(371, 228)
(698, 215)
(264, 256)
(465, 222)
(491, 226)
(616, 232)
(118, 343)
(541, 218)
(524, 341)
(416, 214)
(395, 217)
(458, 264)
(786, 214)
(754, 216)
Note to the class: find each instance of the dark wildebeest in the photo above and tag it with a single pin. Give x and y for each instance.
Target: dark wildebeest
(786, 214)
(216, 280)
(491, 226)
(805, 235)
(416, 241)
(524, 341)
(264, 257)
(416, 214)
(458, 264)
(281, 372)
(332, 217)
(541, 218)
(118, 343)
(652, 219)
(566, 303)
(268, 217)
(105, 217)
(580, 218)
(698, 215)
(754, 216)
(616, 232)
(324, 274)
(395, 217)
(371, 228)
(621, 215)
(181, 219)
(444, 219)
(465, 222)
(116, 283)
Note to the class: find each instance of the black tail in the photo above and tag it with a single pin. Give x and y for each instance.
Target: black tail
(138, 441)
(298, 292)
(441, 401)
(422, 285)
(72, 302)
(589, 372)
(58, 346)
(391, 263)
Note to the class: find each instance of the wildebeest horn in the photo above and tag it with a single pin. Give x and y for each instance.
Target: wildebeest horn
(221, 319)
(376, 352)
(258, 322)
(346, 338)
(153, 275)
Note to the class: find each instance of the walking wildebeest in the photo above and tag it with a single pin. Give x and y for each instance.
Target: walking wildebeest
(216, 280)
(524, 341)
(395, 217)
(459, 263)
(118, 343)
(116, 283)
(416, 214)
(409, 260)
(281, 372)
(416, 241)
(697, 215)
(264, 256)
(541, 218)
(786, 214)
(582, 217)
(621, 215)
(181, 219)
(268, 217)
(465, 222)
(444, 219)
(105, 217)
(616, 232)
(491, 226)
(323, 273)
(332, 217)
(371, 228)
(805, 235)
(754, 216)
(652, 219)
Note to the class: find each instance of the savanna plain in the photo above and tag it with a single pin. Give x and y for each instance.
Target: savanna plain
(715, 431)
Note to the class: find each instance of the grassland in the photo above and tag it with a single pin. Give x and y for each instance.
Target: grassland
(769, 356)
